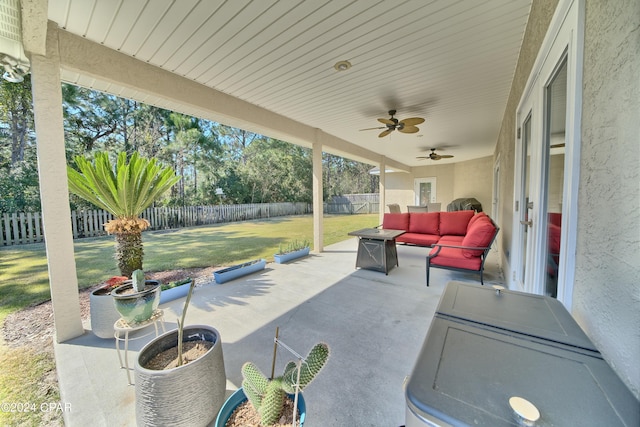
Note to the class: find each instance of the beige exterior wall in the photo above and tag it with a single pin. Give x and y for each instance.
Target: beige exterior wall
(472, 178)
(606, 292)
(606, 295)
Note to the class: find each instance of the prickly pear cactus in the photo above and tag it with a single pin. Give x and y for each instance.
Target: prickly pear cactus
(267, 396)
(138, 280)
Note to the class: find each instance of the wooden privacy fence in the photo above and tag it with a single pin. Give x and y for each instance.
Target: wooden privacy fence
(24, 228)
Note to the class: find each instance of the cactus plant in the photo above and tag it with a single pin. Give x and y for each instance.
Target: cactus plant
(267, 396)
(137, 278)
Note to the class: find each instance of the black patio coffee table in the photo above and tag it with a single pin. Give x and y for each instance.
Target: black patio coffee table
(377, 249)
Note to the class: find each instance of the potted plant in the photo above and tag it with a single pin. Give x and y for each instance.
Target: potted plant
(267, 398)
(102, 309)
(239, 270)
(293, 250)
(124, 190)
(137, 299)
(175, 290)
(179, 376)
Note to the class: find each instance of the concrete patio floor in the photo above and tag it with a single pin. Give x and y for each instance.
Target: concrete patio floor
(375, 325)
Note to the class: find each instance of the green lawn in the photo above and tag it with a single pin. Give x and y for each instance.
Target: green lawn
(23, 269)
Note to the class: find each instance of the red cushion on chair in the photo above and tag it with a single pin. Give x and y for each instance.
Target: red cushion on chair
(479, 235)
(424, 223)
(395, 221)
(454, 223)
(452, 257)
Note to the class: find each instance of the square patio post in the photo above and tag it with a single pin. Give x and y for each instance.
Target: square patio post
(54, 191)
(318, 244)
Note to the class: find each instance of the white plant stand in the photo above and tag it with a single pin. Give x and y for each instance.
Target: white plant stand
(122, 327)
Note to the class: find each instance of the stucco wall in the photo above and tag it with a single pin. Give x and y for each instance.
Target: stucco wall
(606, 298)
(473, 178)
(539, 19)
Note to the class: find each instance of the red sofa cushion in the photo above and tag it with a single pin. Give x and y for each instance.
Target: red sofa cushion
(475, 218)
(451, 240)
(418, 239)
(453, 257)
(396, 221)
(454, 223)
(424, 222)
(479, 235)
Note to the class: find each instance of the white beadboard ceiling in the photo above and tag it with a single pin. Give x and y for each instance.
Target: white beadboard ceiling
(451, 62)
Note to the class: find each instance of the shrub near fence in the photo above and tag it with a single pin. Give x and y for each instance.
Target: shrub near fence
(24, 228)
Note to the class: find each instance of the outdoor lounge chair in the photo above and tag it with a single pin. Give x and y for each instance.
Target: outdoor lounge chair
(464, 257)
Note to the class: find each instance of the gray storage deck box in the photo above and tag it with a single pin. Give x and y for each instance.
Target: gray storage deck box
(484, 347)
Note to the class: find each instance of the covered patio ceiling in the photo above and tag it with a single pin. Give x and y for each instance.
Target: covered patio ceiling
(451, 63)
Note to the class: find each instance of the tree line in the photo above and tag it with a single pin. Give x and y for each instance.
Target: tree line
(218, 164)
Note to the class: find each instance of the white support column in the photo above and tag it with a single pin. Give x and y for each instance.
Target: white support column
(318, 227)
(382, 184)
(54, 191)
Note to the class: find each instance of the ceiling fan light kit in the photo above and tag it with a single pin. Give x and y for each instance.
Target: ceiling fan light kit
(405, 125)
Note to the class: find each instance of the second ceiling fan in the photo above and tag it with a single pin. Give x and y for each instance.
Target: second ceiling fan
(404, 125)
(434, 156)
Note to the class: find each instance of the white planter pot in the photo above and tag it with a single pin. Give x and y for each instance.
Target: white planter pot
(103, 314)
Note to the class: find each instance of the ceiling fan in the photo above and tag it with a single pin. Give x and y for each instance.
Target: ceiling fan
(404, 125)
(434, 156)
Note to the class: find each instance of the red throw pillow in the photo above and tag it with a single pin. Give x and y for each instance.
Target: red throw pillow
(395, 221)
(454, 223)
(424, 223)
(479, 235)
(475, 218)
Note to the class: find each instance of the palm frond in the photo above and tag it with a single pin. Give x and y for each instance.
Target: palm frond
(124, 190)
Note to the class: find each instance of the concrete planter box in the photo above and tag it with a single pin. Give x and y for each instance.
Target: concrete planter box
(174, 293)
(290, 256)
(233, 272)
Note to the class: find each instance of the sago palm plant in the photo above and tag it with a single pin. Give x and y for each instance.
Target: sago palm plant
(125, 191)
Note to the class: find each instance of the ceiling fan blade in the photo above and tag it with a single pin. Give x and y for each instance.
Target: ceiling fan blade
(387, 121)
(423, 157)
(444, 156)
(381, 127)
(408, 129)
(385, 133)
(412, 121)
(557, 145)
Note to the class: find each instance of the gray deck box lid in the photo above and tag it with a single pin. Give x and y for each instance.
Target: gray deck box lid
(466, 373)
(520, 312)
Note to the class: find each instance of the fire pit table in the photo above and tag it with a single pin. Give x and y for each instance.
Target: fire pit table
(377, 249)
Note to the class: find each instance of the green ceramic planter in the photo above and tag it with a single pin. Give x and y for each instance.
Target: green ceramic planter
(137, 307)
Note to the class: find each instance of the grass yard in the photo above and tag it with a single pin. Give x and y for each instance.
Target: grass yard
(24, 281)
(23, 269)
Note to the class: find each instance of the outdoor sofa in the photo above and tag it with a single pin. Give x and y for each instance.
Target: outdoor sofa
(460, 240)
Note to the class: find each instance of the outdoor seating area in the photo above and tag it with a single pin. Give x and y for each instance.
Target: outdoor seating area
(374, 324)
